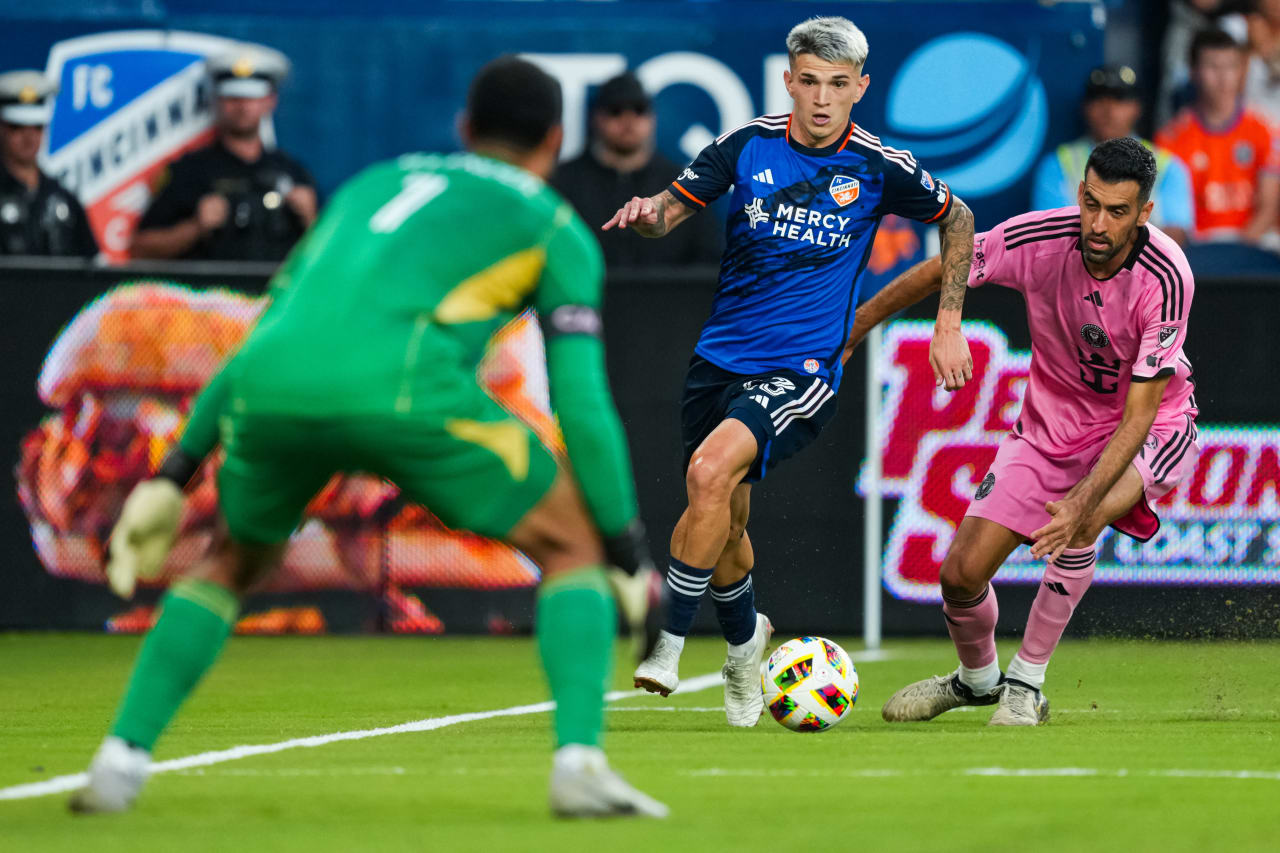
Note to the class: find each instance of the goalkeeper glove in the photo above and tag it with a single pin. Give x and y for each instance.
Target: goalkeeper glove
(638, 588)
(143, 534)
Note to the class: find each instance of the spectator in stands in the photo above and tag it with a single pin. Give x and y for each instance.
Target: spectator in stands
(1262, 83)
(38, 216)
(620, 162)
(235, 199)
(1232, 152)
(1111, 109)
(1186, 18)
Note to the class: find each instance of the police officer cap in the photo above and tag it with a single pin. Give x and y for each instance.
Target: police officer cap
(1112, 81)
(26, 97)
(247, 71)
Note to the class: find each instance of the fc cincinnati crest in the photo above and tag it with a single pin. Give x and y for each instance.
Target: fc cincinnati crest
(1167, 334)
(984, 488)
(130, 102)
(844, 189)
(1094, 336)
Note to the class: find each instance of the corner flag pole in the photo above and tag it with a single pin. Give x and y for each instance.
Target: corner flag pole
(872, 521)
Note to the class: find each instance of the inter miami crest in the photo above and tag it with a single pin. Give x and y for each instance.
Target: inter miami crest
(1093, 335)
(844, 189)
(984, 488)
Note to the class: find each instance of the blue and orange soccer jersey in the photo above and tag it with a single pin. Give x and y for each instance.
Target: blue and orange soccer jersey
(799, 233)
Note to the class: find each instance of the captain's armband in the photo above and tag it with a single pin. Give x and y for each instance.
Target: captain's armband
(571, 320)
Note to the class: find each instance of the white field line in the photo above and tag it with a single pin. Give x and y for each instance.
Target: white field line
(62, 784)
(1016, 772)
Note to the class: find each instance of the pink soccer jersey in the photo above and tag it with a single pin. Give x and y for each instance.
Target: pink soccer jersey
(1089, 337)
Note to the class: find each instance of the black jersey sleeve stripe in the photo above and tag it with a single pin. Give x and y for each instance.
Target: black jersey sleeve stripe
(1038, 237)
(1168, 288)
(1159, 374)
(1015, 230)
(1163, 278)
(1052, 226)
(1180, 297)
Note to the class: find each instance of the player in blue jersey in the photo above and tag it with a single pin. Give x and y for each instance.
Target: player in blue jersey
(808, 192)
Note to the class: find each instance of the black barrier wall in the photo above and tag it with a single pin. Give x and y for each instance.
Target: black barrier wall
(806, 523)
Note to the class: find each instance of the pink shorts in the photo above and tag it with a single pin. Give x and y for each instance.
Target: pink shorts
(1022, 480)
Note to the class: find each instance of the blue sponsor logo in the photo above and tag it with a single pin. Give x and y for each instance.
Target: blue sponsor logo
(982, 129)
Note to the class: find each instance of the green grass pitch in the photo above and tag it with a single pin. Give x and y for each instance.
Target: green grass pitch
(1151, 746)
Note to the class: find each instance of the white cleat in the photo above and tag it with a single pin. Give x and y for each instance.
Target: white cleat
(743, 698)
(116, 775)
(1020, 705)
(583, 785)
(659, 672)
(926, 699)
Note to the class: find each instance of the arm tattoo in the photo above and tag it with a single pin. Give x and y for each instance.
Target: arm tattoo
(957, 255)
(661, 202)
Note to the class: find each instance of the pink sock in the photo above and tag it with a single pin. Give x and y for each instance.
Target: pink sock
(973, 627)
(1063, 586)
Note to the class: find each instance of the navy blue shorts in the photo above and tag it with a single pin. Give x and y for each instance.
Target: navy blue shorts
(785, 410)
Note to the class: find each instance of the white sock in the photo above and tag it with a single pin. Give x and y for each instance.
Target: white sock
(673, 639)
(983, 679)
(1027, 673)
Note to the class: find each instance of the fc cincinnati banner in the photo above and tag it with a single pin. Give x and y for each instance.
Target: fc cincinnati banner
(129, 103)
(1221, 526)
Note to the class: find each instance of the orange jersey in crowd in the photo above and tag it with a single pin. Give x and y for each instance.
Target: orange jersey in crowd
(1225, 165)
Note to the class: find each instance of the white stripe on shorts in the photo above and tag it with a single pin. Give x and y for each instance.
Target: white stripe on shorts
(804, 398)
(806, 412)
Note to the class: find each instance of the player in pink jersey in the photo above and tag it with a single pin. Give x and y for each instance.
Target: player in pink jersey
(1106, 428)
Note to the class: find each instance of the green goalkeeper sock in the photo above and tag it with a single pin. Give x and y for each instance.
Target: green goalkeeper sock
(195, 618)
(576, 624)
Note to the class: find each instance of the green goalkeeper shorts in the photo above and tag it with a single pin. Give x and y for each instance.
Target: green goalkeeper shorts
(476, 468)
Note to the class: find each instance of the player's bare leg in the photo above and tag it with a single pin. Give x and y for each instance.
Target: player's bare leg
(196, 615)
(576, 621)
(969, 607)
(702, 536)
(1065, 582)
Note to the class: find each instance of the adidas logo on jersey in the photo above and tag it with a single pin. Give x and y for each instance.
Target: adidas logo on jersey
(762, 400)
(765, 177)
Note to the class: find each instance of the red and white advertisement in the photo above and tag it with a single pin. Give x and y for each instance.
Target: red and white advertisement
(1221, 526)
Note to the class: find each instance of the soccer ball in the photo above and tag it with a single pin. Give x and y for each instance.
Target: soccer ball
(809, 684)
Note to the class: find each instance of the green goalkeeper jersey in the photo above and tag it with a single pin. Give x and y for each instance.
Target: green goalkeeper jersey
(396, 291)
(415, 263)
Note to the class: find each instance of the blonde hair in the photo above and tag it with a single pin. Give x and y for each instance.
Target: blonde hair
(831, 39)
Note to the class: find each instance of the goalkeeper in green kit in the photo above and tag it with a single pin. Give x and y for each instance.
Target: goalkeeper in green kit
(365, 361)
